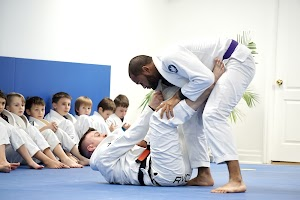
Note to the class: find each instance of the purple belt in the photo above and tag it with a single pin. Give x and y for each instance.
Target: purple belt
(230, 49)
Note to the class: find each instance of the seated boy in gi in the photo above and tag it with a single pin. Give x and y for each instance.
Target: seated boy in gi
(121, 162)
(98, 120)
(117, 119)
(83, 109)
(35, 109)
(83, 106)
(15, 133)
(61, 105)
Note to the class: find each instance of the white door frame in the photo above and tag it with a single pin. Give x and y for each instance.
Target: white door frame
(270, 86)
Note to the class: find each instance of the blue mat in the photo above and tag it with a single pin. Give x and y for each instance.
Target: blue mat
(270, 182)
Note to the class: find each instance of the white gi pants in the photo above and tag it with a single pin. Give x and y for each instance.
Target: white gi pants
(212, 120)
(51, 138)
(17, 138)
(170, 164)
(65, 140)
(37, 137)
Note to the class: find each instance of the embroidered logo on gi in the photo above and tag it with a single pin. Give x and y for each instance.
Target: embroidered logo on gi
(172, 69)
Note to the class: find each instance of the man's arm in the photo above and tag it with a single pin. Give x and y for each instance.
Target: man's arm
(167, 106)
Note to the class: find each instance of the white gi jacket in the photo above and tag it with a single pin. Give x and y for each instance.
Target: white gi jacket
(115, 156)
(83, 123)
(99, 123)
(189, 65)
(63, 123)
(115, 121)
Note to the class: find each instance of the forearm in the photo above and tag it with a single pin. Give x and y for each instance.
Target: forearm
(201, 100)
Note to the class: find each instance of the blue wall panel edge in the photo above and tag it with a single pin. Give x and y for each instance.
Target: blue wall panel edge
(44, 78)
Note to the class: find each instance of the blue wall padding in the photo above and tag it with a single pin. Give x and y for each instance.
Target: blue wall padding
(45, 78)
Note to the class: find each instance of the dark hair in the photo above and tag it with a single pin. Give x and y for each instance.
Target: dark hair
(30, 101)
(121, 101)
(2, 95)
(56, 97)
(80, 147)
(106, 104)
(136, 64)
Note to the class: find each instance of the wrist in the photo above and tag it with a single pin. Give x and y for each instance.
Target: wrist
(181, 96)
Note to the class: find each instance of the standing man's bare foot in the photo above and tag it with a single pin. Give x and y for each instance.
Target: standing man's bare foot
(236, 183)
(231, 187)
(203, 178)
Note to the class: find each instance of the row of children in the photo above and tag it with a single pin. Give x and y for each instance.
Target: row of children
(52, 139)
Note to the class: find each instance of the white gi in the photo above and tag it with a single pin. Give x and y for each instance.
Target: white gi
(83, 123)
(18, 137)
(168, 162)
(43, 141)
(115, 121)
(99, 123)
(189, 66)
(96, 121)
(66, 124)
(11, 140)
(66, 142)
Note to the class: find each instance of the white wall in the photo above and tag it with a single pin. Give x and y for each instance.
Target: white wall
(112, 32)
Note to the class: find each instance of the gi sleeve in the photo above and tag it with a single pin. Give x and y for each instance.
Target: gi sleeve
(188, 66)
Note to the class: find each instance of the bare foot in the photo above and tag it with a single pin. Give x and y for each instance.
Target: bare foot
(231, 187)
(235, 183)
(34, 165)
(54, 164)
(5, 167)
(14, 166)
(73, 158)
(203, 178)
(84, 162)
(71, 163)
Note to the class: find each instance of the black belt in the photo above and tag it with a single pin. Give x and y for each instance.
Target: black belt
(141, 174)
(143, 160)
(230, 49)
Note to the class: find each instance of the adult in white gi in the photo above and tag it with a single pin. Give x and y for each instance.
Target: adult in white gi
(188, 66)
(115, 156)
